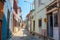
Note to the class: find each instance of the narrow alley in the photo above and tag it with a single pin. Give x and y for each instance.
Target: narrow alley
(29, 19)
(23, 34)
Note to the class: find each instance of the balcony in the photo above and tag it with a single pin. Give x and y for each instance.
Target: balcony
(53, 5)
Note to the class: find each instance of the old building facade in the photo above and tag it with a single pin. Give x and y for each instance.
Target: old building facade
(16, 16)
(53, 19)
(28, 21)
(31, 21)
(47, 18)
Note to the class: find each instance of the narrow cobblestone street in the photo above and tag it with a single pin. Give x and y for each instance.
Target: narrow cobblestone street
(23, 35)
(29, 19)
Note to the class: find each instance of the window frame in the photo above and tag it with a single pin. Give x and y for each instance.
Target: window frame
(54, 19)
(40, 24)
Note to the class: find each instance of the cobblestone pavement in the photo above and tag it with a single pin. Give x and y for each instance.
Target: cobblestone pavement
(23, 35)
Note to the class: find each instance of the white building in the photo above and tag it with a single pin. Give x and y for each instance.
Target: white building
(44, 25)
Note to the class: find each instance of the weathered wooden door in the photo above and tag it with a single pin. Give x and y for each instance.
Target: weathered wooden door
(50, 25)
(0, 30)
(53, 25)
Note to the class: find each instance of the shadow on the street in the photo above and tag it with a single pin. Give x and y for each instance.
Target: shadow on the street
(23, 38)
(27, 37)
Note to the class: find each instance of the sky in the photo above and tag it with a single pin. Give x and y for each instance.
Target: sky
(25, 7)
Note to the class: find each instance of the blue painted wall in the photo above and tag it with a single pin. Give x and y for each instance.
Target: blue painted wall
(7, 6)
(4, 26)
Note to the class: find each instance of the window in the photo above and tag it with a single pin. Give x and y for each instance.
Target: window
(33, 25)
(40, 22)
(39, 3)
(55, 20)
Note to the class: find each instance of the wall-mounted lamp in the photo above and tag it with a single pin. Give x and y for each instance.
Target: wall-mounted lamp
(45, 20)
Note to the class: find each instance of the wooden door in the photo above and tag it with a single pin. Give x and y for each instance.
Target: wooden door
(0, 30)
(50, 25)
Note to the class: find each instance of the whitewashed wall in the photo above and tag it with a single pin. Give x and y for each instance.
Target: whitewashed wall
(40, 12)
